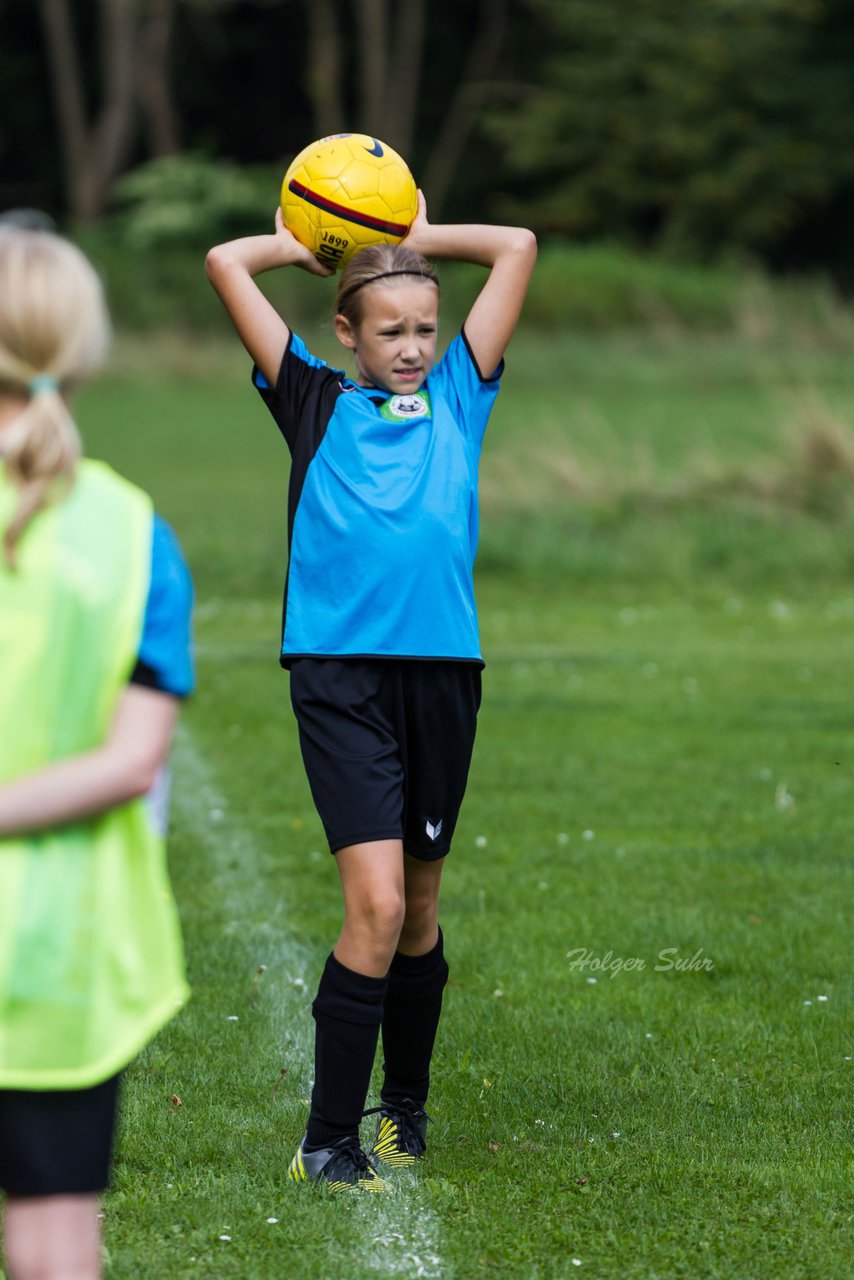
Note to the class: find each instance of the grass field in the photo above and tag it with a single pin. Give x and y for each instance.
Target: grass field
(664, 765)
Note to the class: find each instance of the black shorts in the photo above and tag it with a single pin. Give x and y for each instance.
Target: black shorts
(387, 745)
(57, 1142)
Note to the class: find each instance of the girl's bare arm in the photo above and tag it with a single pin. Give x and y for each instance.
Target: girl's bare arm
(93, 782)
(231, 267)
(510, 254)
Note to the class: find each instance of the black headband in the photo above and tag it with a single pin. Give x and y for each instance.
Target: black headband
(384, 275)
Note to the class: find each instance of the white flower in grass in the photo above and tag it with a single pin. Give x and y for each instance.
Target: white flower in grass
(226, 1238)
(233, 1017)
(498, 992)
(649, 1035)
(298, 982)
(480, 842)
(822, 999)
(808, 1002)
(592, 981)
(272, 1221)
(588, 835)
(576, 1262)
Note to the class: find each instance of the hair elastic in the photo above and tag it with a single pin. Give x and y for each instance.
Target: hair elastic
(384, 275)
(42, 382)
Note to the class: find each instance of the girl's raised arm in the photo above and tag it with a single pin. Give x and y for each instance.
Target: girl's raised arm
(231, 267)
(509, 252)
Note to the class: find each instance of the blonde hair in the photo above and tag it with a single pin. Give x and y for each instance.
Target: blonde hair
(54, 332)
(374, 263)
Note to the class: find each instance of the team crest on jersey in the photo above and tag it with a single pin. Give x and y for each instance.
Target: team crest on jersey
(403, 408)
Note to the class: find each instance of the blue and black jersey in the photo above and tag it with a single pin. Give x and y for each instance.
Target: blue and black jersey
(382, 508)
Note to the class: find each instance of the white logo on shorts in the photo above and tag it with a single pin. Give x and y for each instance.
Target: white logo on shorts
(434, 832)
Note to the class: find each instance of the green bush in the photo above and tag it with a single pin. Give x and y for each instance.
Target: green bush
(151, 250)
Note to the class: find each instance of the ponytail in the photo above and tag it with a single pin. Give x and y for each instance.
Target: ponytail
(54, 332)
(41, 452)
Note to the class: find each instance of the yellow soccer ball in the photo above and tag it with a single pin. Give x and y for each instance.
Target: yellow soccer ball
(345, 192)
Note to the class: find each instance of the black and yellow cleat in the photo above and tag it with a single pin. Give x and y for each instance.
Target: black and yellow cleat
(343, 1166)
(401, 1132)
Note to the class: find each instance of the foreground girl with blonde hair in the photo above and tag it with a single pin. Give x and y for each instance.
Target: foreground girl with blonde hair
(95, 606)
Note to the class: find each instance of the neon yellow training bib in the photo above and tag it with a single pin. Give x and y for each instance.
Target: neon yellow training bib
(91, 964)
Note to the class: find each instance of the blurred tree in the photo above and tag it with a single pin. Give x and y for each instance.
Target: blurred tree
(155, 79)
(93, 150)
(323, 73)
(133, 75)
(724, 122)
(396, 57)
(694, 125)
(471, 93)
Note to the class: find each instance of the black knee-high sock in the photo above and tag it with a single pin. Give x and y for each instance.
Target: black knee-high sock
(411, 1012)
(347, 1011)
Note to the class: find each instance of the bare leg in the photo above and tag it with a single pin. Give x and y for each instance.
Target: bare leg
(53, 1237)
(420, 929)
(372, 881)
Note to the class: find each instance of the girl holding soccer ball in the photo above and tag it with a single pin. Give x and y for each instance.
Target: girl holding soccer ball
(380, 634)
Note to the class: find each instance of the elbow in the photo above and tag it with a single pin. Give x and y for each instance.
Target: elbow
(527, 243)
(213, 262)
(135, 776)
(217, 261)
(143, 778)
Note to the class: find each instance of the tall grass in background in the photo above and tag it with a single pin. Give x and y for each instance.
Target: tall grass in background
(659, 422)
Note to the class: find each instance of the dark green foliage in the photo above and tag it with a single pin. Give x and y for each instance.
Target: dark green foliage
(688, 125)
(695, 127)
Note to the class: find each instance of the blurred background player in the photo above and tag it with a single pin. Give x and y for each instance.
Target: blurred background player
(95, 603)
(380, 634)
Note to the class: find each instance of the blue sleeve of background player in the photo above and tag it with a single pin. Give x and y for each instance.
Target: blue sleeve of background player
(165, 659)
(469, 393)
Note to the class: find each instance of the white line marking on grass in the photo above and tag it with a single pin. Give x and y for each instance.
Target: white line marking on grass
(232, 853)
(404, 1239)
(400, 1233)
